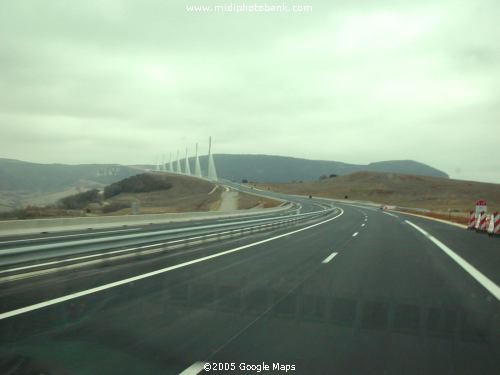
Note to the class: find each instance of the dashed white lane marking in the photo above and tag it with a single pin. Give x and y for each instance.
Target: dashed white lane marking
(194, 369)
(388, 213)
(363, 224)
(329, 258)
(469, 268)
(355, 234)
(128, 280)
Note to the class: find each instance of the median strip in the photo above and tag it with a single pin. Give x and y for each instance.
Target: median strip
(132, 251)
(68, 236)
(68, 297)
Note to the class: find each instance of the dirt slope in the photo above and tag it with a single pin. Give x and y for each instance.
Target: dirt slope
(433, 193)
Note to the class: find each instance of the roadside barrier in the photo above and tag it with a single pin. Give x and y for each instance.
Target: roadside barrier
(487, 222)
(143, 247)
(472, 220)
(494, 224)
(481, 222)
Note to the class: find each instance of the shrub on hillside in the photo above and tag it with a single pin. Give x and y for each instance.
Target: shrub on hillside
(80, 200)
(34, 212)
(115, 206)
(141, 183)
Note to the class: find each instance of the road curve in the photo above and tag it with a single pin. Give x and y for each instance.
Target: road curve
(359, 292)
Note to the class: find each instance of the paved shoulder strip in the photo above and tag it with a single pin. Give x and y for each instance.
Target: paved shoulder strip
(469, 268)
(434, 219)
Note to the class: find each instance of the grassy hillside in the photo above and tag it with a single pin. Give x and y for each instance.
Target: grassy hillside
(267, 168)
(166, 193)
(23, 183)
(438, 194)
(142, 183)
(19, 175)
(149, 192)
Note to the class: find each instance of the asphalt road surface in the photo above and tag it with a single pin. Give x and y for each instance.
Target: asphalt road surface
(360, 292)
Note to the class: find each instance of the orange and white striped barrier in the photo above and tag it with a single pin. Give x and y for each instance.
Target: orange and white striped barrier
(472, 220)
(494, 224)
(487, 222)
(481, 222)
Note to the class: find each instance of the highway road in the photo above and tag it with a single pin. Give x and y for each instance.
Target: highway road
(358, 291)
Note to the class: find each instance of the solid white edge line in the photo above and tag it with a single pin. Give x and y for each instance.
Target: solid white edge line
(434, 219)
(194, 369)
(469, 268)
(355, 234)
(329, 258)
(68, 297)
(388, 213)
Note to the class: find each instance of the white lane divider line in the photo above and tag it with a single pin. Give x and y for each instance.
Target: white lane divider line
(128, 280)
(469, 268)
(363, 224)
(329, 258)
(194, 369)
(355, 234)
(388, 213)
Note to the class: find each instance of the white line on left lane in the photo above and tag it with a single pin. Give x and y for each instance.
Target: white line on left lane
(68, 297)
(329, 258)
(194, 369)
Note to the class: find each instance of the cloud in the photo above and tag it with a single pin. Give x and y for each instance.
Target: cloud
(357, 81)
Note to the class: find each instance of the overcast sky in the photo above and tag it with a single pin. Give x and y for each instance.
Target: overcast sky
(354, 81)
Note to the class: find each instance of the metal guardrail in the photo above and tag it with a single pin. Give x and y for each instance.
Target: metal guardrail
(50, 225)
(4, 251)
(21, 269)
